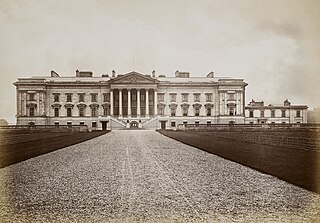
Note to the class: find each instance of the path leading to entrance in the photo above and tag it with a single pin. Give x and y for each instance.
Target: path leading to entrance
(128, 176)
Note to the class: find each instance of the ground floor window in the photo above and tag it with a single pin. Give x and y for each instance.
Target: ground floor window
(185, 123)
(173, 124)
(94, 124)
(81, 123)
(69, 124)
(56, 124)
(208, 123)
(196, 123)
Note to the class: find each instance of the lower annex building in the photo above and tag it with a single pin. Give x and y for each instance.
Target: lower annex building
(134, 100)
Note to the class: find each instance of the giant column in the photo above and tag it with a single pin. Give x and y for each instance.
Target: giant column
(120, 102)
(129, 103)
(147, 102)
(155, 102)
(111, 102)
(138, 102)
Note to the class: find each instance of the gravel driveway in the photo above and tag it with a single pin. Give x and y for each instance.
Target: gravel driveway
(143, 176)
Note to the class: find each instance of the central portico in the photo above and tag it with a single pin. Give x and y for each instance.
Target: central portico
(133, 95)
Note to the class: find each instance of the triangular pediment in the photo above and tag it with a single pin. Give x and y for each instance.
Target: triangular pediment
(132, 78)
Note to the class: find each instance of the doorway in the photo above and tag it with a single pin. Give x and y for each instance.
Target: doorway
(134, 125)
(104, 125)
(163, 124)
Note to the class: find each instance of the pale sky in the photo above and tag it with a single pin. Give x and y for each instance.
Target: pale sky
(273, 45)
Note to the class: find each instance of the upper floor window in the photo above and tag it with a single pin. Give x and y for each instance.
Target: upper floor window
(208, 97)
(251, 114)
(185, 111)
(161, 97)
(160, 110)
(196, 97)
(69, 112)
(56, 112)
(106, 97)
(283, 113)
(56, 97)
(81, 97)
(185, 97)
(298, 114)
(173, 112)
(81, 111)
(231, 111)
(262, 113)
(106, 110)
(31, 96)
(94, 97)
(93, 111)
(208, 111)
(231, 96)
(173, 97)
(69, 97)
(197, 111)
(31, 111)
(272, 113)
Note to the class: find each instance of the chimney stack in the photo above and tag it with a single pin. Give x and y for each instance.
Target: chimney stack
(153, 73)
(113, 73)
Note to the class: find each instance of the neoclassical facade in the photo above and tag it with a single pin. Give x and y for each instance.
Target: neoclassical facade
(131, 100)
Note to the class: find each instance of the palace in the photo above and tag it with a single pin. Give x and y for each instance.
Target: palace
(131, 100)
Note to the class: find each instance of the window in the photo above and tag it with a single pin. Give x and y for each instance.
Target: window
(93, 111)
(161, 111)
(161, 97)
(231, 111)
(56, 124)
(185, 123)
(208, 123)
(298, 114)
(56, 97)
(31, 111)
(283, 113)
(81, 111)
(173, 124)
(69, 97)
(185, 111)
(283, 122)
(251, 122)
(272, 113)
(56, 112)
(196, 123)
(251, 114)
(173, 97)
(185, 97)
(69, 112)
(31, 97)
(197, 111)
(105, 110)
(208, 111)
(69, 124)
(230, 96)
(196, 97)
(208, 97)
(272, 122)
(81, 97)
(173, 112)
(81, 123)
(262, 113)
(106, 97)
(94, 124)
(94, 97)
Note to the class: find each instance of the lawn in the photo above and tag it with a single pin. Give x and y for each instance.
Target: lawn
(297, 166)
(16, 147)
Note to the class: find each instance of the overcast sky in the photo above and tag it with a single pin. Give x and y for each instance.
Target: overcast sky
(273, 45)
